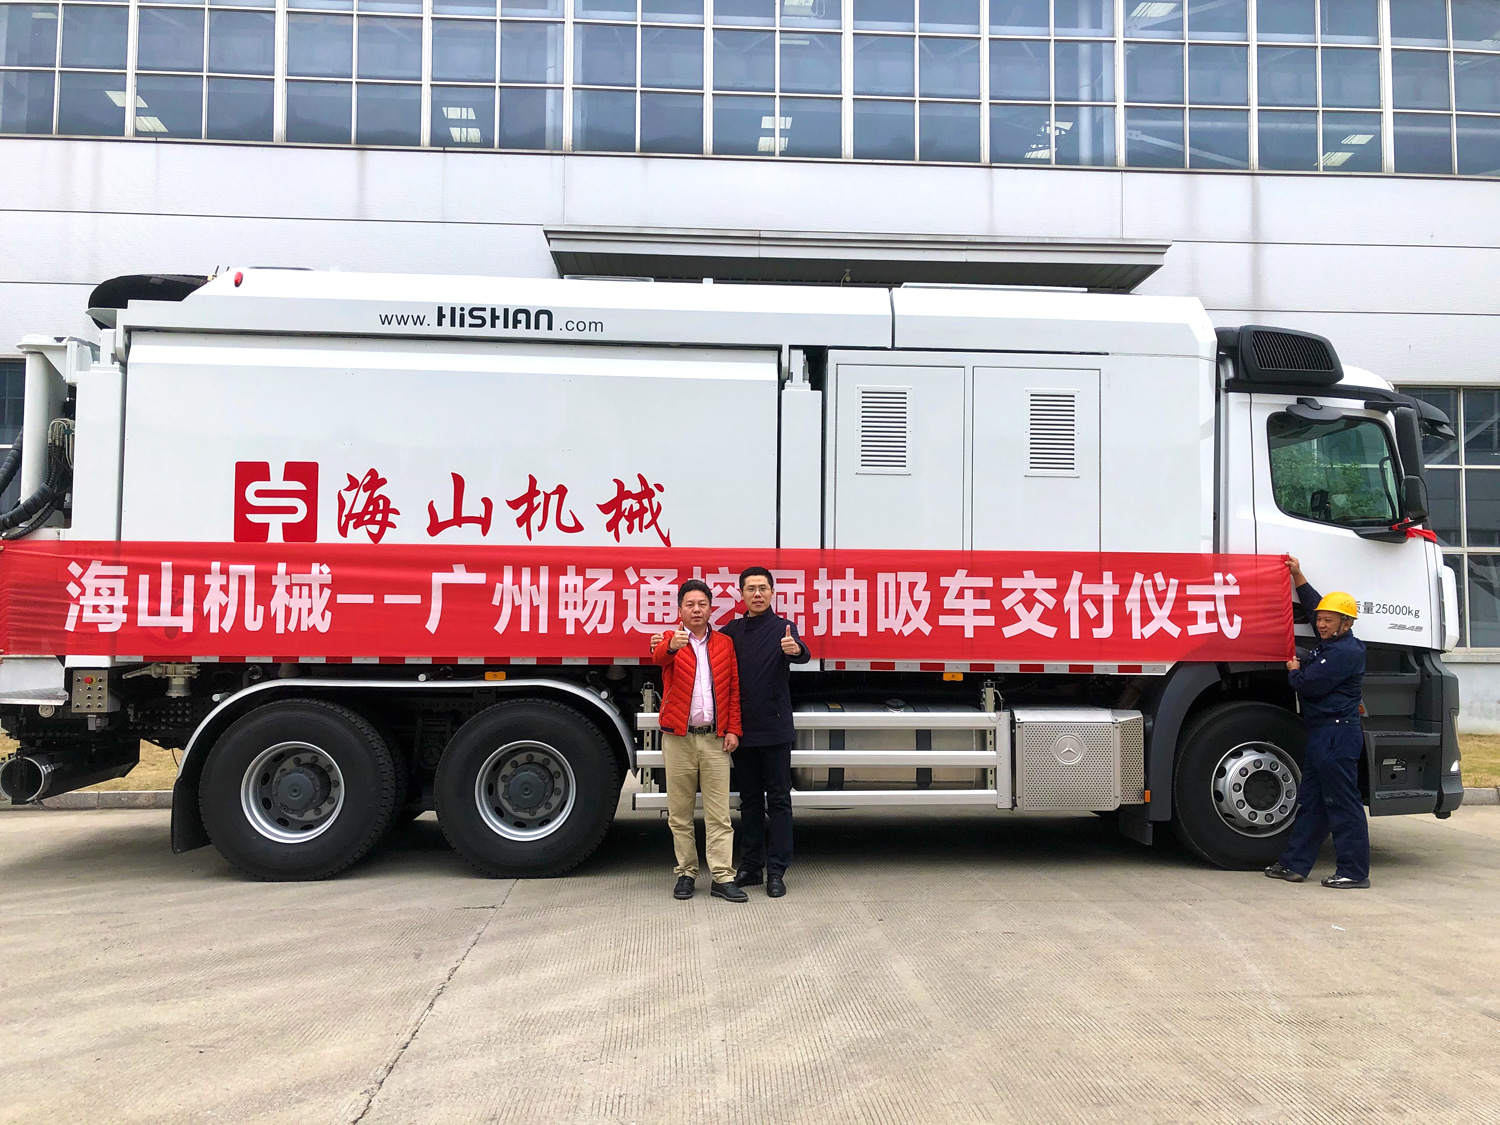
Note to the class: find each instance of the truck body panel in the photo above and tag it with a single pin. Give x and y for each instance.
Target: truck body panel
(1001, 453)
(511, 419)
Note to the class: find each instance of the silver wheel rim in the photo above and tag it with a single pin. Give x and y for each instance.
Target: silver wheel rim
(1254, 787)
(525, 790)
(292, 792)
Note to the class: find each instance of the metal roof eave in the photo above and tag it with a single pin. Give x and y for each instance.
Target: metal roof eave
(686, 254)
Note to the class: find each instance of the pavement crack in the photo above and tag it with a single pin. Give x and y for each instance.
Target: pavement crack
(365, 1099)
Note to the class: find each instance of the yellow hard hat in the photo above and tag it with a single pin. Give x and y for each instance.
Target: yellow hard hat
(1339, 602)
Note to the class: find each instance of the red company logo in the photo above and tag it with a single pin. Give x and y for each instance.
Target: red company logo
(275, 511)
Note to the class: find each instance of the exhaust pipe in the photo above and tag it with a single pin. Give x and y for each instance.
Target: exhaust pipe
(27, 778)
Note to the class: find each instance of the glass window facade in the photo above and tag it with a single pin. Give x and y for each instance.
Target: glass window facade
(1406, 86)
(1463, 489)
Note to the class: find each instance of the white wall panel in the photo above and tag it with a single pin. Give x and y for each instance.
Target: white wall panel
(1356, 278)
(87, 247)
(1478, 695)
(207, 179)
(1326, 209)
(28, 309)
(824, 196)
(238, 180)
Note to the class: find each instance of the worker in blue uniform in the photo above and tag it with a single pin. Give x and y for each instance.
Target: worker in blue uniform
(1329, 685)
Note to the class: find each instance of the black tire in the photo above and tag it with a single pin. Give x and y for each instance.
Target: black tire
(1206, 746)
(404, 812)
(364, 773)
(571, 786)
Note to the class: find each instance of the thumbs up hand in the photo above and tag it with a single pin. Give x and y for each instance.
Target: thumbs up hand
(788, 644)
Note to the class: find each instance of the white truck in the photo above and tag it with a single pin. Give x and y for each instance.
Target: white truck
(361, 546)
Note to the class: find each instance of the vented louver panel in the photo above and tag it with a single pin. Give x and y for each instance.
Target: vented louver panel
(1132, 760)
(1281, 351)
(1052, 433)
(884, 429)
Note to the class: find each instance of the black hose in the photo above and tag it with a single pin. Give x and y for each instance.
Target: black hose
(41, 503)
(37, 521)
(11, 463)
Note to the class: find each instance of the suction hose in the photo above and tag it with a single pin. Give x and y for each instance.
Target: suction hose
(32, 512)
(10, 465)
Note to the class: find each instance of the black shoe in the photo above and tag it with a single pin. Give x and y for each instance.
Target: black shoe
(728, 892)
(686, 884)
(1344, 883)
(1282, 871)
(775, 886)
(747, 878)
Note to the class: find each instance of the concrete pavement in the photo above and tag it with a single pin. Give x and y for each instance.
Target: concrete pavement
(960, 968)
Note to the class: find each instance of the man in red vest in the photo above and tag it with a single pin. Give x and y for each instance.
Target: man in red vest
(700, 724)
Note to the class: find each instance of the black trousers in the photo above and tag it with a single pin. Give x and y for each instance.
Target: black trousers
(765, 785)
(1329, 799)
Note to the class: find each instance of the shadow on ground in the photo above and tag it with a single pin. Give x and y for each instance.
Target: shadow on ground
(637, 842)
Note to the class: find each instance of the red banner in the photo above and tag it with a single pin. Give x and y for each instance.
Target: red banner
(300, 601)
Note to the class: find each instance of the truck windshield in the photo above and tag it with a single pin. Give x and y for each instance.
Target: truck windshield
(1333, 472)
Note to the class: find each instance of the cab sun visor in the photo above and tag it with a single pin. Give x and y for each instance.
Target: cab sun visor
(1311, 410)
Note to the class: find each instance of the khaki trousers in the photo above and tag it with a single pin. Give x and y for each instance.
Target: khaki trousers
(692, 761)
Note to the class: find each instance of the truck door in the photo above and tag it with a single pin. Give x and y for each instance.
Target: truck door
(1326, 486)
(899, 458)
(1036, 459)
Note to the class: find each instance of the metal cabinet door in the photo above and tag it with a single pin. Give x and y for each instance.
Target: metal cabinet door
(899, 458)
(1036, 459)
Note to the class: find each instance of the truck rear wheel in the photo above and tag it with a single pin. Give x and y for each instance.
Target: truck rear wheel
(1235, 786)
(299, 789)
(526, 789)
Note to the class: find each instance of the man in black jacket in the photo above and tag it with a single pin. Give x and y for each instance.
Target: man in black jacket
(766, 646)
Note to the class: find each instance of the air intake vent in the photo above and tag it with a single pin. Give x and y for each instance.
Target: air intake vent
(1279, 351)
(1286, 356)
(884, 428)
(1052, 433)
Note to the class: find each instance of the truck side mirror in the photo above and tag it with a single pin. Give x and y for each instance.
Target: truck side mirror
(1409, 441)
(1434, 422)
(1414, 499)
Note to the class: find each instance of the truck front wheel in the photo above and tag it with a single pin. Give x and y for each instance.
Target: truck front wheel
(1235, 785)
(297, 790)
(526, 789)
